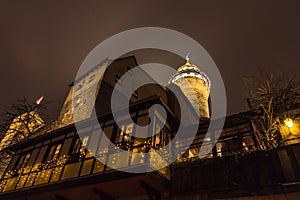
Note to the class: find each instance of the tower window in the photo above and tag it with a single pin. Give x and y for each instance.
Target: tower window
(92, 78)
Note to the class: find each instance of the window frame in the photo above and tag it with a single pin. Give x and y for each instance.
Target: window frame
(54, 155)
(25, 156)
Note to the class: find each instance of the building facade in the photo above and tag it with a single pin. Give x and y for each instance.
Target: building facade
(58, 163)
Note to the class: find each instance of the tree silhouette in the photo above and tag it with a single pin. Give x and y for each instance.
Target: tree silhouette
(270, 96)
(19, 122)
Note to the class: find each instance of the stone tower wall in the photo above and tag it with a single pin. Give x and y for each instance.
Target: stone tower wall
(200, 100)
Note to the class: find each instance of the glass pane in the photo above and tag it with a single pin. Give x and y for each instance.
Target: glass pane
(22, 182)
(56, 174)
(56, 152)
(76, 146)
(124, 133)
(138, 157)
(120, 134)
(43, 177)
(219, 149)
(87, 166)
(71, 170)
(94, 142)
(12, 163)
(26, 158)
(129, 129)
(33, 157)
(66, 147)
(30, 180)
(193, 152)
(51, 152)
(117, 160)
(20, 161)
(85, 140)
(2, 184)
(99, 167)
(108, 131)
(10, 184)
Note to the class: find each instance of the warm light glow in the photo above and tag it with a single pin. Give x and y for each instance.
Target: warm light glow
(34, 122)
(289, 123)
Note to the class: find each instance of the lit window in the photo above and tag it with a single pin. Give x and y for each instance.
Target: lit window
(85, 141)
(125, 133)
(53, 152)
(193, 152)
(84, 144)
(22, 161)
(76, 146)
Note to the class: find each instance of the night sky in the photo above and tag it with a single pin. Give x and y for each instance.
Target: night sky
(43, 44)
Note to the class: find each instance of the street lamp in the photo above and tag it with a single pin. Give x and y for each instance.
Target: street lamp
(289, 123)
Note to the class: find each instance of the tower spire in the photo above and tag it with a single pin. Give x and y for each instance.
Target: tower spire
(187, 57)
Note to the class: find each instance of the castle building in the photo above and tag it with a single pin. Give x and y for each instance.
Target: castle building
(61, 162)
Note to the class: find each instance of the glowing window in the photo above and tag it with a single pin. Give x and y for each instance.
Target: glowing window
(53, 152)
(23, 161)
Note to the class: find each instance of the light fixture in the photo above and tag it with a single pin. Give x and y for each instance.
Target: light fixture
(289, 123)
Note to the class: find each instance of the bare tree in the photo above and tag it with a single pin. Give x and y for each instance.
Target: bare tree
(270, 96)
(19, 122)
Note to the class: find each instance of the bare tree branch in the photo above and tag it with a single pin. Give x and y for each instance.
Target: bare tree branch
(269, 97)
(19, 122)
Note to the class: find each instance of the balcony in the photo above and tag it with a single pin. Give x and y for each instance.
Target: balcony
(83, 171)
(259, 173)
(57, 163)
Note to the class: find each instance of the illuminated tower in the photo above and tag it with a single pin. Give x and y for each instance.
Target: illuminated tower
(199, 84)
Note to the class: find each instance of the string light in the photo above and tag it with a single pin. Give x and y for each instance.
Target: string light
(51, 164)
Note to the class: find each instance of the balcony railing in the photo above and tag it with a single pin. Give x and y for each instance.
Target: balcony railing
(71, 167)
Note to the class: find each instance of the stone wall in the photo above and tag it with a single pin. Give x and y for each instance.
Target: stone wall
(198, 87)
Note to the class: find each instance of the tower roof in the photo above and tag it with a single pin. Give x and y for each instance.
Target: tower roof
(190, 70)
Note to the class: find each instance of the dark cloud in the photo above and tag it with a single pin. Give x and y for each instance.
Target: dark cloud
(43, 44)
